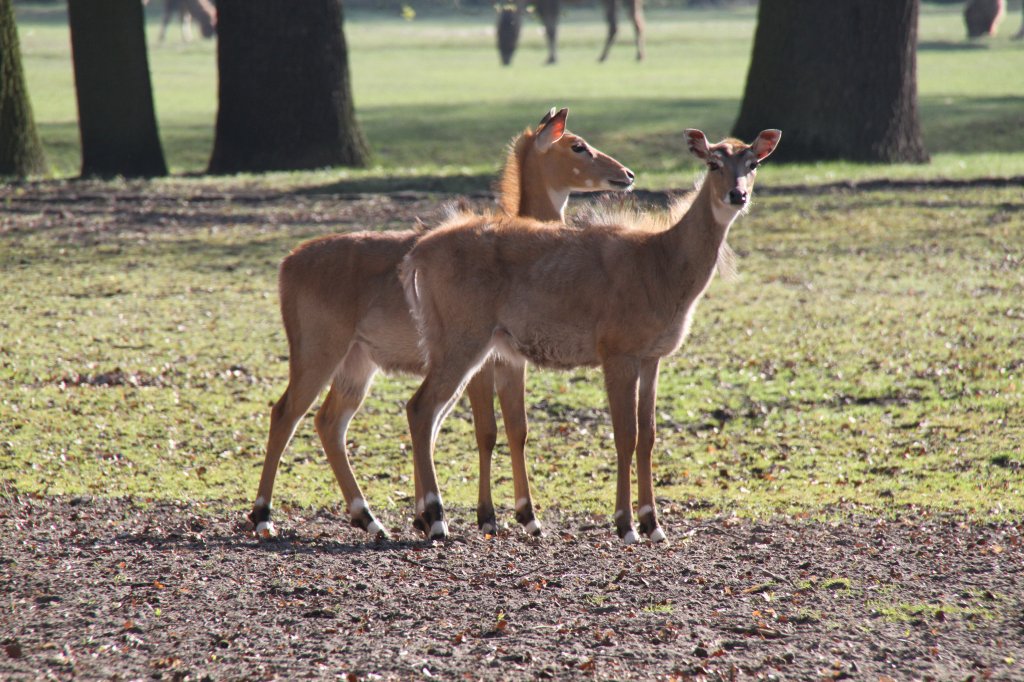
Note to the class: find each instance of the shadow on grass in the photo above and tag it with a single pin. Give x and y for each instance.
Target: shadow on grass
(415, 153)
(409, 136)
(951, 46)
(944, 120)
(478, 185)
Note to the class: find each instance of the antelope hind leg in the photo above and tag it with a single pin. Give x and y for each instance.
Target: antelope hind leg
(511, 385)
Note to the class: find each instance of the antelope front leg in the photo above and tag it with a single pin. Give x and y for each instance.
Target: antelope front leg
(481, 399)
(621, 377)
(511, 385)
(426, 410)
(648, 394)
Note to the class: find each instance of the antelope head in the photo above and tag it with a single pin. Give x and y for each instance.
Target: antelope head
(732, 166)
(569, 164)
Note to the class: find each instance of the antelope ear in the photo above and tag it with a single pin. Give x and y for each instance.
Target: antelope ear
(547, 117)
(552, 131)
(698, 143)
(766, 142)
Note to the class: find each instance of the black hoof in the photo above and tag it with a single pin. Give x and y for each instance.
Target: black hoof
(649, 527)
(528, 520)
(435, 527)
(365, 521)
(628, 534)
(258, 515)
(486, 522)
(260, 525)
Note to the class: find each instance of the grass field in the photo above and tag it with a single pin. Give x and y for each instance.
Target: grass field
(869, 357)
(435, 103)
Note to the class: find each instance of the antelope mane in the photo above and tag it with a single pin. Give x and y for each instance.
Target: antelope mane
(508, 186)
(635, 219)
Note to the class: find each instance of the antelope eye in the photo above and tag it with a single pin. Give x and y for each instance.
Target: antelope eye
(579, 147)
(753, 165)
(714, 165)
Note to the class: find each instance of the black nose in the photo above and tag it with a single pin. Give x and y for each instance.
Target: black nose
(737, 197)
(629, 174)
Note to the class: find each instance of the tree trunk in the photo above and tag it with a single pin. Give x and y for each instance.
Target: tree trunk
(285, 100)
(21, 154)
(839, 78)
(115, 100)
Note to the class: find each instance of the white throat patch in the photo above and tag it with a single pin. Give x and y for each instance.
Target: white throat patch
(559, 199)
(725, 212)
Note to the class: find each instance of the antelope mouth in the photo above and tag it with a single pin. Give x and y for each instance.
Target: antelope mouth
(624, 184)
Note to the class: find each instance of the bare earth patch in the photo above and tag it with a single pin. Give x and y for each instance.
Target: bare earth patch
(100, 588)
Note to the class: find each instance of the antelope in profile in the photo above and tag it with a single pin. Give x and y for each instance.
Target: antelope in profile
(345, 316)
(510, 22)
(559, 297)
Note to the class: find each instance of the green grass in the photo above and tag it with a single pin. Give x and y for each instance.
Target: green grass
(435, 103)
(867, 359)
(972, 605)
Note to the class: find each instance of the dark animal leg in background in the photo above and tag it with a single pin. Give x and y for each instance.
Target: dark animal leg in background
(636, 13)
(549, 11)
(611, 16)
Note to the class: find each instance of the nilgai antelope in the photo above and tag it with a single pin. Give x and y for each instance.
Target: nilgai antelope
(202, 10)
(510, 22)
(345, 316)
(560, 297)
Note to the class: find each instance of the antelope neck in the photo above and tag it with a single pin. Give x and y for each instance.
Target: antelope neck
(692, 244)
(542, 203)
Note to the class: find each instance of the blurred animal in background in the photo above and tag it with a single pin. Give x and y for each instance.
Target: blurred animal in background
(983, 16)
(510, 22)
(203, 11)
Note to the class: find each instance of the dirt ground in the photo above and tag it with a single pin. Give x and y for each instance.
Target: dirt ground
(119, 589)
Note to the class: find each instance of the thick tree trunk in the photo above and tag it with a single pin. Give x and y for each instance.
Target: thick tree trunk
(839, 78)
(115, 100)
(21, 154)
(285, 100)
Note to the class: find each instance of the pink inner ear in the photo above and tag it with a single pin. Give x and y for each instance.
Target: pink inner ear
(557, 127)
(765, 143)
